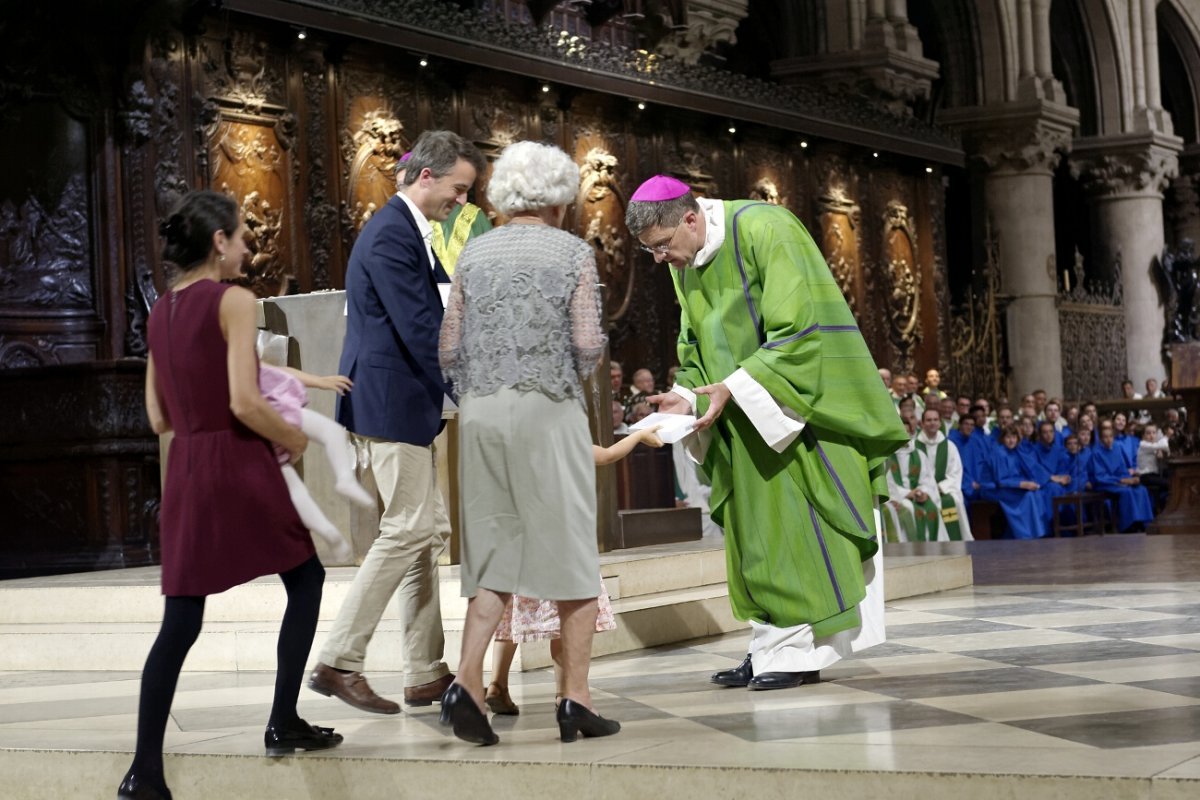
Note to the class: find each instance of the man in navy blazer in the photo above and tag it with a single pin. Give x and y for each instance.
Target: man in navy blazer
(393, 319)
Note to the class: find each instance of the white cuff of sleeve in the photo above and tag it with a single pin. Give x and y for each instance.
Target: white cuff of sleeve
(945, 487)
(686, 394)
(777, 425)
(695, 444)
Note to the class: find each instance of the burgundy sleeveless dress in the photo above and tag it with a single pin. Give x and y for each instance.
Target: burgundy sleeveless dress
(226, 514)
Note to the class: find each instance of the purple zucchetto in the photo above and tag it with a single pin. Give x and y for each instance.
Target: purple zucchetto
(660, 188)
(404, 158)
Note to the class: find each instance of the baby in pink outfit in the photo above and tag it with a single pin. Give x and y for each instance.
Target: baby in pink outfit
(285, 390)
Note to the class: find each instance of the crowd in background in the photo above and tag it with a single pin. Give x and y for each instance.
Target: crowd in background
(1023, 456)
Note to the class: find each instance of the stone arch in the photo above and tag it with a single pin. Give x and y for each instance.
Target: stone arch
(1106, 82)
(1179, 61)
(950, 33)
(996, 33)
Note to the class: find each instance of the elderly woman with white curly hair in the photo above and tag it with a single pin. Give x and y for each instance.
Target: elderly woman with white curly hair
(521, 330)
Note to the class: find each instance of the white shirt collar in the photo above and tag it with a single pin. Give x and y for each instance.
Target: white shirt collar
(423, 226)
(936, 440)
(714, 230)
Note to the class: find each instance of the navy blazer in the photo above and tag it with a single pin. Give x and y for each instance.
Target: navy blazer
(393, 319)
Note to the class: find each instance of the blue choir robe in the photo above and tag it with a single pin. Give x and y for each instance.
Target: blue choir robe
(1109, 465)
(1053, 460)
(972, 451)
(1129, 444)
(1025, 510)
(1079, 468)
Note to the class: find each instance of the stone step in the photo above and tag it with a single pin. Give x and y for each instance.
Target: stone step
(107, 621)
(133, 595)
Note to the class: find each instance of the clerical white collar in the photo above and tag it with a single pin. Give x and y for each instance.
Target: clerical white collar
(714, 230)
(423, 226)
(936, 440)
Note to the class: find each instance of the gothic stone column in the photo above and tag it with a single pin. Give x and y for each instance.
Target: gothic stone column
(1019, 145)
(1125, 177)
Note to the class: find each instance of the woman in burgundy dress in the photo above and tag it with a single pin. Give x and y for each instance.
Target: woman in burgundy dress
(226, 514)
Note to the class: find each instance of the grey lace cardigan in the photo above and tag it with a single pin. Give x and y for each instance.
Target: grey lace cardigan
(524, 313)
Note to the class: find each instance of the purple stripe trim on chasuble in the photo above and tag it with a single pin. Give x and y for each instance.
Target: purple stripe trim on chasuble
(737, 254)
(837, 590)
(811, 329)
(841, 488)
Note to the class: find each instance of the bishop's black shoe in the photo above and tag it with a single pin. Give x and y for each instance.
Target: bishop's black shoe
(738, 677)
(784, 680)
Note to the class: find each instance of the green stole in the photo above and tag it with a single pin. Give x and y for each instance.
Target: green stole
(949, 506)
(925, 514)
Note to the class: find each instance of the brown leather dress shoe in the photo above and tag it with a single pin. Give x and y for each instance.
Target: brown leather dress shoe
(426, 693)
(351, 688)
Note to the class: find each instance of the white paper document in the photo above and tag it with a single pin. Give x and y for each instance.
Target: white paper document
(674, 426)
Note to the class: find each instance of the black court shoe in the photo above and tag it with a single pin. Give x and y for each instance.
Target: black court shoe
(469, 723)
(283, 740)
(576, 718)
(136, 788)
(738, 677)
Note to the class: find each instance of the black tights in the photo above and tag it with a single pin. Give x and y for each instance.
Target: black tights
(182, 619)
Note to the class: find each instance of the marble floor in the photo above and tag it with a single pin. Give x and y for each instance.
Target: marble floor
(1040, 683)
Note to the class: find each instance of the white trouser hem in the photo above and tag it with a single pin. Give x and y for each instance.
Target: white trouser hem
(795, 649)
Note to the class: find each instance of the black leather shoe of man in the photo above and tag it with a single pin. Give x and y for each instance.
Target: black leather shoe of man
(784, 680)
(738, 677)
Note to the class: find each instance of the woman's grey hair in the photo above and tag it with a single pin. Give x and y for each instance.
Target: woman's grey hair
(642, 216)
(439, 151)
(530, 176)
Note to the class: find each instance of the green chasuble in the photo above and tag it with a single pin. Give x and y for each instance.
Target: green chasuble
(450, 236)
(798, 524)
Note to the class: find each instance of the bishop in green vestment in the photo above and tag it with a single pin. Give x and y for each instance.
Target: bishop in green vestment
(798, 459)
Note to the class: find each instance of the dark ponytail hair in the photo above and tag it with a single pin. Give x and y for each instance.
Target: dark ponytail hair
(189, 230)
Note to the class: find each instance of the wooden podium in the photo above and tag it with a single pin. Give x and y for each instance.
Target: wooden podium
(1182, 514)
(646, 499)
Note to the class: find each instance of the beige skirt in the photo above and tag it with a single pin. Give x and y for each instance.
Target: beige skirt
(528, 496)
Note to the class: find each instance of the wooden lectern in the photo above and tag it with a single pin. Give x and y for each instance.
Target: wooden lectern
(1182, 514)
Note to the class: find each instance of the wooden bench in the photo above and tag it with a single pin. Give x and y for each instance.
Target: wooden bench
(987, 519)
(1084, 504)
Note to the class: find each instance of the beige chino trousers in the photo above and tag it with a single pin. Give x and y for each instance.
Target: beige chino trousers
(413, 531)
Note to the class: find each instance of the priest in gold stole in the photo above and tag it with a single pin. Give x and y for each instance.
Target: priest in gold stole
(465, 222)
(797, 459)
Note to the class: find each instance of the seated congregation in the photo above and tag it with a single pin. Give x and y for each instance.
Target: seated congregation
(1022, 474)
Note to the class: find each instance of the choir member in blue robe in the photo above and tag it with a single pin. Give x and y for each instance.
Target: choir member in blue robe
(1006, 480)
(1050, 462)
(973, 447)
(1113, 473)
(1079, 460)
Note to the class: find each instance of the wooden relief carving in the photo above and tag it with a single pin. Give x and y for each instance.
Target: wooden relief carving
(840, 219)
(376, 145)
(904, 272)
(689, 163)
(250, 164)
(44, 251)
(600, 214)
(320, 208)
